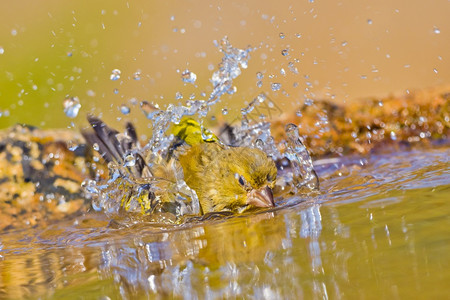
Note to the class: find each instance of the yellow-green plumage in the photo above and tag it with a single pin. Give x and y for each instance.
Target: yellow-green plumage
(223, 177)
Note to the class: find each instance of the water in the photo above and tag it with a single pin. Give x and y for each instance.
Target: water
(115, 74)
(380, 227)
(188, 76)
(71, 106)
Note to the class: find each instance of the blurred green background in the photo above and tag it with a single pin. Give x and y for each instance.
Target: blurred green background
(345, 50)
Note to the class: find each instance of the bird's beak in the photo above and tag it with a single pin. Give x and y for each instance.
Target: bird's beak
(262, 197)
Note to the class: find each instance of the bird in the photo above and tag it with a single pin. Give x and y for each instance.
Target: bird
(224, 178)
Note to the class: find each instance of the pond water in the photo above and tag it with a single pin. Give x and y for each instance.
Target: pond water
(380, 227)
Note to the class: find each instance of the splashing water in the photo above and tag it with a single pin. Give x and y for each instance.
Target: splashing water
(137, 75)
(229, 68)
(115, 74)
(124, 109)
(71, 106)
(150, 193)
(303, 173)
(276, 86)
(188, 76)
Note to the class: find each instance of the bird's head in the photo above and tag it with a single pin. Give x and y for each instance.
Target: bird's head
(245, 178)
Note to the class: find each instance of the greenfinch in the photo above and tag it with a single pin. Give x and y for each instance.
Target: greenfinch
(224, 178)
(229, 179)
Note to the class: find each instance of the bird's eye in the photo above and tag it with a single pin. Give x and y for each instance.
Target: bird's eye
(241, 179)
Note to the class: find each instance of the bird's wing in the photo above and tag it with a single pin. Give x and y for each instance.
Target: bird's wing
(114, 146)
(195, 161)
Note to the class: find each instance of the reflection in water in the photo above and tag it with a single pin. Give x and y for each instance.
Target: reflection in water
(386, 236)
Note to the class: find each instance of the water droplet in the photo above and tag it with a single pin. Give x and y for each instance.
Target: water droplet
(282, 35)
(96, 147)
(178, 95)
(2, 50)
(124, 109)
(259, 83)
(188, 76)
(363, 77)
(148, 108)
(393, 136)
(298, 113)
(436, 30)
(116, 91)
(369, 21)
(282, 72)
(90, 186)
(71, 106)
(259, 144)
(224, 111)
(298, 35)
(137, 75)
(309, 102)
(259, 75)
(285, 52)
(115, 74)
(435, 70)
(344, 43)
(276, 86)
(292, 68)
(129, 161)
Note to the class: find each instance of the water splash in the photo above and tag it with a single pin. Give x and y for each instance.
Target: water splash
(276, 86)
(303, 173)
(124, 109)
(115, 74)
(168, 195)
(188, 76)
(137, 75)
(71, 106)
(234, 59)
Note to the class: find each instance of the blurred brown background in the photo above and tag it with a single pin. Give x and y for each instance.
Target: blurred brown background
(343, 50)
